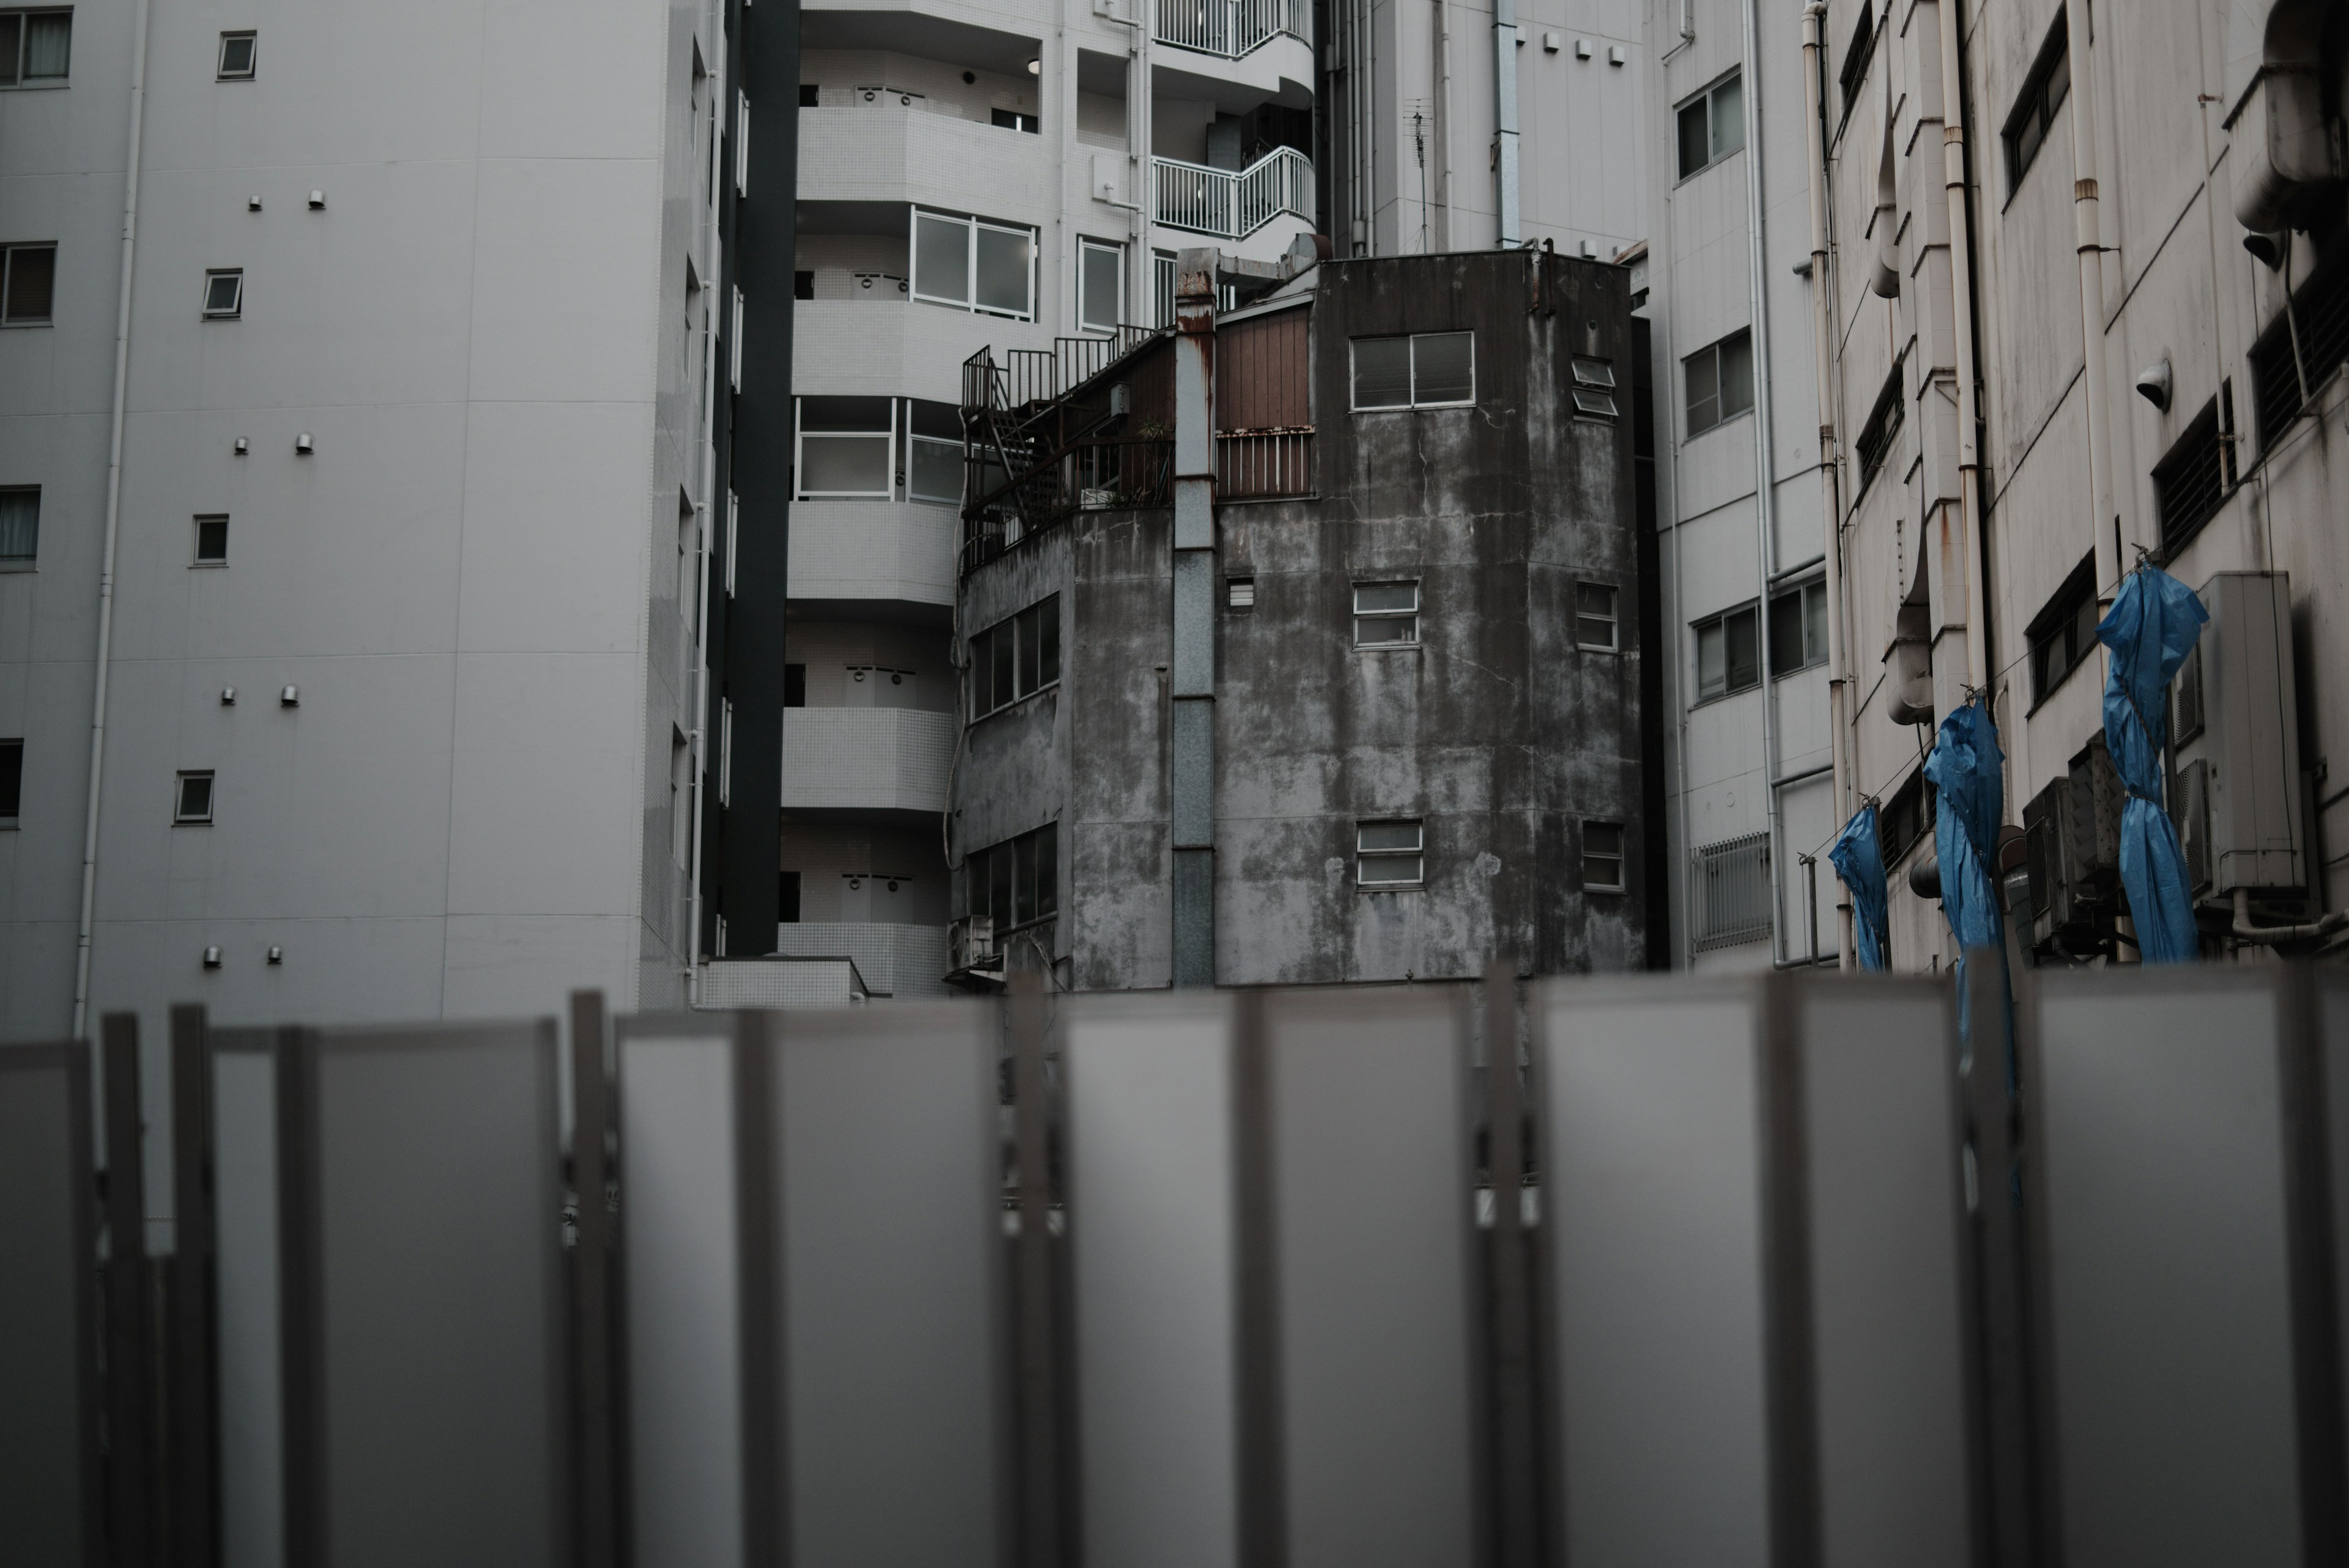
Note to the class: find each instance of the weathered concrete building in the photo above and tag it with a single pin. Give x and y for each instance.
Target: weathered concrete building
(1301, 645)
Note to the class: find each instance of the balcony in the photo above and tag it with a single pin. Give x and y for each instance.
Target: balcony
(1231, 205)
(845, 552)
(892, 961)
(1231, 28)
(869, 763)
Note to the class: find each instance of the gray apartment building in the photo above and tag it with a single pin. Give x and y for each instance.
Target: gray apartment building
(1301, 644)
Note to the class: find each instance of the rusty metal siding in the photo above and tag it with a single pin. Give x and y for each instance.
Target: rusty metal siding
(1264, 373)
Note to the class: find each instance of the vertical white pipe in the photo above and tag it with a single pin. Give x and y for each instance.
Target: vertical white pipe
(113, 522)
(721, 96)
(1765, 528)
(1962, 298)
(1830, 498)
(1504, 118)
(2108, 546)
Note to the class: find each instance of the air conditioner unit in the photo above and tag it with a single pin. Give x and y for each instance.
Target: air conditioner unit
(2235, 740)
(2094, 861)
(2071, 832)
(971, 944)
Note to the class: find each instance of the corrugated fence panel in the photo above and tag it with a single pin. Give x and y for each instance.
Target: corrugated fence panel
(1152, 1213)
(48, 1486)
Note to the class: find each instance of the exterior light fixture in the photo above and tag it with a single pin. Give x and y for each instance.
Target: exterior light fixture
(228, 696)
(277, 955)
(1036, 68)
(318, 200)
(243, 446)
(212, 957)
(290, 698)
(302, 446)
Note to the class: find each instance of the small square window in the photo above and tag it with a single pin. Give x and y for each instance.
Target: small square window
(1390, 855)
(237, 56)
(1798, 627)
(1239, 592)
(12, 781)
(30, 285)
(212, 541)
(1728, 654)
(1012, 119)
(1718, 380)
(1594, 617)
(1594, 389)
(35, 47)
(1386, 614)
(20, 525)
(1712, 125)
(194, 799)
(809, 94)
(223, 295)
(1602, 856)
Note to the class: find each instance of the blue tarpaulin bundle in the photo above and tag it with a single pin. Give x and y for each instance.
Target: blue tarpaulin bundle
(1968, 772)
(1857, 855)
(2154, 623)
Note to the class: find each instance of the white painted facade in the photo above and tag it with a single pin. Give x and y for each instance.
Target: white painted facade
(479, 583)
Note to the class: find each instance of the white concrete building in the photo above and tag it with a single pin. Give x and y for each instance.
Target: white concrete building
(394, 433)
(2084, 302)
(1005, 174)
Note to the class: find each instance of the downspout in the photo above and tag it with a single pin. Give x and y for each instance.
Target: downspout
(721, 92)
(1443, 112)
(1504, 120)
(1962, 298)
(1765, 526)
(1830, 498)
(113, 524)
(1191, 760)
(2107, 528)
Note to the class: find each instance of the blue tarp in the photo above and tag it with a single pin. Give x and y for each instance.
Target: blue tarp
(2151, 630)
(1968, 772)
(1857, 855)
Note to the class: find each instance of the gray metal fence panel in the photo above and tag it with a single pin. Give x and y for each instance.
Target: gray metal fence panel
(251, 1431)
(438, 1349)
(2158, 1120)
(1652, 1100)
(49, 1487)
(1152, 1208)
(891, 1239)
(1885, 1215)
(1372, 1211)
(680, 1291)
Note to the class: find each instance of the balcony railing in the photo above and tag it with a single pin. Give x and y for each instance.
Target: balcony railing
(1732, 891)
(1088, 476)
(1264, 465)
(1231, 205)
(1231, 28)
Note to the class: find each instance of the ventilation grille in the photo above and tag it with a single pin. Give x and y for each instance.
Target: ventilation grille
(2320, 310)
(2190, 484)
(1732, 891)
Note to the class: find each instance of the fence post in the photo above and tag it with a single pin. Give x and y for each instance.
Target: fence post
(591, 1285)
(194, 1380)
(1039, 1385)
(1516, 1463)
(129, 1360)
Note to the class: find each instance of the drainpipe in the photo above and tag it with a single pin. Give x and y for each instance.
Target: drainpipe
(720, 93)
(1766, 525)
(2107, 530)
(1830, 499)
(1443, 112)
(1962, 297)
(1504, 118)
(1191, 781)
(113, 523)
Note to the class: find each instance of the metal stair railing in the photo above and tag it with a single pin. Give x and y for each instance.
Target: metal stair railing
(1230, 29)
(1230, 204)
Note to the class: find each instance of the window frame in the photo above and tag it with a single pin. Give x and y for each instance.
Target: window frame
(2194, 477)
(1593, 388)
(1722, 617)
(221, 73)
(2032, 101)
(8, 255)
(1416, 852)
(1116, 251)
(1353, 372)
(1872, 448)
(1621, 856)
(1858, 57)
(23, 14)
(886, 438)
(1716, 351)
(197, 557)
(181, 816)
(29, 560)
(1042, 846)
(1706, 98)
(1023, 629)
(2066, 625)
(1802, 593)
(235, 309)
(12, 776)
(1410, 616)
(1614, 617)
(971, 225)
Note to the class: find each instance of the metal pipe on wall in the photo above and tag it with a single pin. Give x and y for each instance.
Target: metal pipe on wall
(1962, 298)
(113, 524)
(2107, 530)
(1830, 496)
(1766, 525)
(1505, 120)
(720, 93)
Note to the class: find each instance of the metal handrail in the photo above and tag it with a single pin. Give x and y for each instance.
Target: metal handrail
(1230, 29)
(1232, 205)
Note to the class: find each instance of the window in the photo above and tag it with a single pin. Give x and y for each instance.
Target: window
(1016, 658)
(733, 529)
(1239, 592)
(224, 294)
(2042, 94)
(802, 285)
(1907, 817)
(1386, 614)
(30, 285)
(787, 900)
(680, 781)
(1882, 430)
(1014, 882)
(810, 95)
(1798, 627)
(1602, 856)
(933, 451)
(1012, 119)
(35, 47)
(1390, 855)
(742, 139)
(20, 525)
(193, 800)
(734, 345)
(1728, 654)
(795, 685)
(844, 445)
(12, 781)
(2312, 339)
(1720, 381)
(1594, 388)
(1594, 617)
(237, 56)
(1426, 370)
(1162, 287)
(726, 750)
(2185, 699)
(1101, 285)
(973, 265)
(2192, 480)
(1856, 56)
(1712, 125)
(212, 541)
(2064, 633)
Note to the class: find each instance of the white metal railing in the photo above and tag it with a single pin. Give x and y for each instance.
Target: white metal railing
(1231, 28)
(1233, 205)
(1732, 891)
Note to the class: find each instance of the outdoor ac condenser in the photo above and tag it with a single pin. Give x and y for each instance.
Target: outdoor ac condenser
(970, 943)
(2235, 791)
